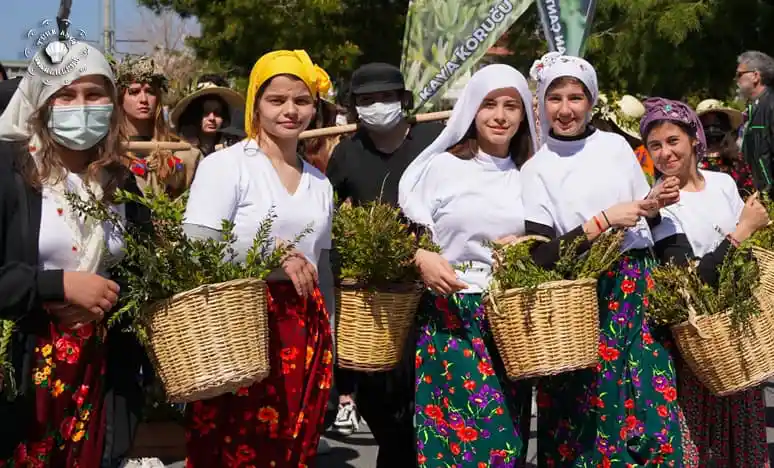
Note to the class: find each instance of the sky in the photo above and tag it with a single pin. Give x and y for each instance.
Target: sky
(19, 16)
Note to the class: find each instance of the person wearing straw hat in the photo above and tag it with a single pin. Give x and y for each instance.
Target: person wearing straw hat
(200, 116)
(580, 184)
(466, 189)
(61, 134)
(721, 126)
(623, 117)
(277, 421)
(708, 222)
(142, 87)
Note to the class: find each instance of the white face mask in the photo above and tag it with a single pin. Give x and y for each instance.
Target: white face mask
(80, 127)
(380, 115)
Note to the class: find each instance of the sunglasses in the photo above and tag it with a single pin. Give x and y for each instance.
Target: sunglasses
(740, 74)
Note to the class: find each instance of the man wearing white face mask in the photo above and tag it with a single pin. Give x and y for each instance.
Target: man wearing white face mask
(365, 167)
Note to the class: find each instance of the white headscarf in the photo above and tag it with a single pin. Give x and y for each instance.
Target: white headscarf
(38, 85)
(34, 91)
(554, 65)
(483, 82)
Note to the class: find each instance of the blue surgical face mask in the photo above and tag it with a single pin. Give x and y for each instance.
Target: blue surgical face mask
(80, 127)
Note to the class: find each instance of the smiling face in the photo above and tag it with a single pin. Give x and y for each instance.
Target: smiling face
(498, 119)
(212, 116)
(672, 149)
(567, 107)
(140, 101)
(286, 107)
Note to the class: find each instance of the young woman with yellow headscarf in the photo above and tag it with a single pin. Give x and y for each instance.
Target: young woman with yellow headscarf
(276, 422)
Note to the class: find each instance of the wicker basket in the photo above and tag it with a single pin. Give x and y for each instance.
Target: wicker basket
(727, 362)
(210, 340)
(372, 325)
(546, 331)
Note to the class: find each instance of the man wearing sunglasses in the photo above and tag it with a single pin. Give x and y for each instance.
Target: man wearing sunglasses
(754, 76)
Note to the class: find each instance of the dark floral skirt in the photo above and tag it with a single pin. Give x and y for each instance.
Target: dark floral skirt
(69, 421)
(275, 423)
(467, 412)
(624, 412)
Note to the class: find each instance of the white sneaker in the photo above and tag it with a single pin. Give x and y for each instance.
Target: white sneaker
(323, 447)
(347, 419)
(142, 463)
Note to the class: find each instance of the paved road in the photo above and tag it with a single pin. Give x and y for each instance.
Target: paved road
(359, 450)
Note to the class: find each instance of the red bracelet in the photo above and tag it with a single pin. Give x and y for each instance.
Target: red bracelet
(733, 241)
(599, 225)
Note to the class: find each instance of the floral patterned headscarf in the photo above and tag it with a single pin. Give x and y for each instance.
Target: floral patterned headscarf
(661, 109)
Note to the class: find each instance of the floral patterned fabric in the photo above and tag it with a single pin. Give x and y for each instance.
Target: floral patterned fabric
(68, 375)
(728, 432)
(739, 170)
(467, 413)
(276, 422)
(624, 413)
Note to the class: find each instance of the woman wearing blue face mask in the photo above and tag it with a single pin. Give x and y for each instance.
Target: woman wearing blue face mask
(59, 134)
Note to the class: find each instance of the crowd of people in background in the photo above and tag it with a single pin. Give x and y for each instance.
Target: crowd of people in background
(506, 164)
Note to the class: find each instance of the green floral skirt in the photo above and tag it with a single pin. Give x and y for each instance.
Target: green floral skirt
(623, 413)
(467, 413)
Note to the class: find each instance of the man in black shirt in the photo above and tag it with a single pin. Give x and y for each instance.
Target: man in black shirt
(363, 168)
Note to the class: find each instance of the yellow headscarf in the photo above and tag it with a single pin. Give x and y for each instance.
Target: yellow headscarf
(283, 62)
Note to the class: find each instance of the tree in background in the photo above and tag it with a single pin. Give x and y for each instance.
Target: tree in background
(675, 48)
(338, 34)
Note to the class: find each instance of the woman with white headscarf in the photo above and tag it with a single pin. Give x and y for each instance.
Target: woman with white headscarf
(465, 188)
(581, 183)
(59, 134)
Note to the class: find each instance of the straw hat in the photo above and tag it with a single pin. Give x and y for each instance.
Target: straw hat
(713, 105)
(625, 113)
(235, 101)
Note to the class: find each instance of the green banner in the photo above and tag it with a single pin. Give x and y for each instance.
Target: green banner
(566, 24)
(444, 39)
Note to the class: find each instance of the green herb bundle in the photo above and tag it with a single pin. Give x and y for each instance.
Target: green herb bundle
(163, 261)
(515, 268)
(374, 245)
(680, 286)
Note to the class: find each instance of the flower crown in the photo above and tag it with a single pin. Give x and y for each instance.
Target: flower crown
(139, 69)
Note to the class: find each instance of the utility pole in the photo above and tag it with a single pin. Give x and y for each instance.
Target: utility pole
(107, 33)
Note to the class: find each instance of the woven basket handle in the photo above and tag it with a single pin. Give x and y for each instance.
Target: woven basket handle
(692, 314)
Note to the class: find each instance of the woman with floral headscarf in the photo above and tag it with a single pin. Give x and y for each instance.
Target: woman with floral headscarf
(466, 189)
(141, 95)
(708, 221)
(276, 422)
(60, 135)
(581, 183)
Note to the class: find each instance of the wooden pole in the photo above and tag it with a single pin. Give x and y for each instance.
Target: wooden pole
(318, 132)
(342, 129)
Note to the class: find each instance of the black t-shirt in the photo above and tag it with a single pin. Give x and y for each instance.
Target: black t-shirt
(359, 171)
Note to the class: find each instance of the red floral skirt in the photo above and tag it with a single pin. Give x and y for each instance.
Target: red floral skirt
(68, 374)
(276, 422)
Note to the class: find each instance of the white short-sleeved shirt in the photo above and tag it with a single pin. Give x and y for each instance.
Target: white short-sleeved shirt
(705, 217)
(472, 201)
(566, 183)
(239, 184)
(56, 243)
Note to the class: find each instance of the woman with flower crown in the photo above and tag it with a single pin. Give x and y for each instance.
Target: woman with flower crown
(141, 95)
(276, 422)
(581, 183)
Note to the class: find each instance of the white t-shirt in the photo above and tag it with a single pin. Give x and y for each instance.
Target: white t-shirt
(705, 217)
(472, 201)
(566, 183)
(57, 249)
(240, 184)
